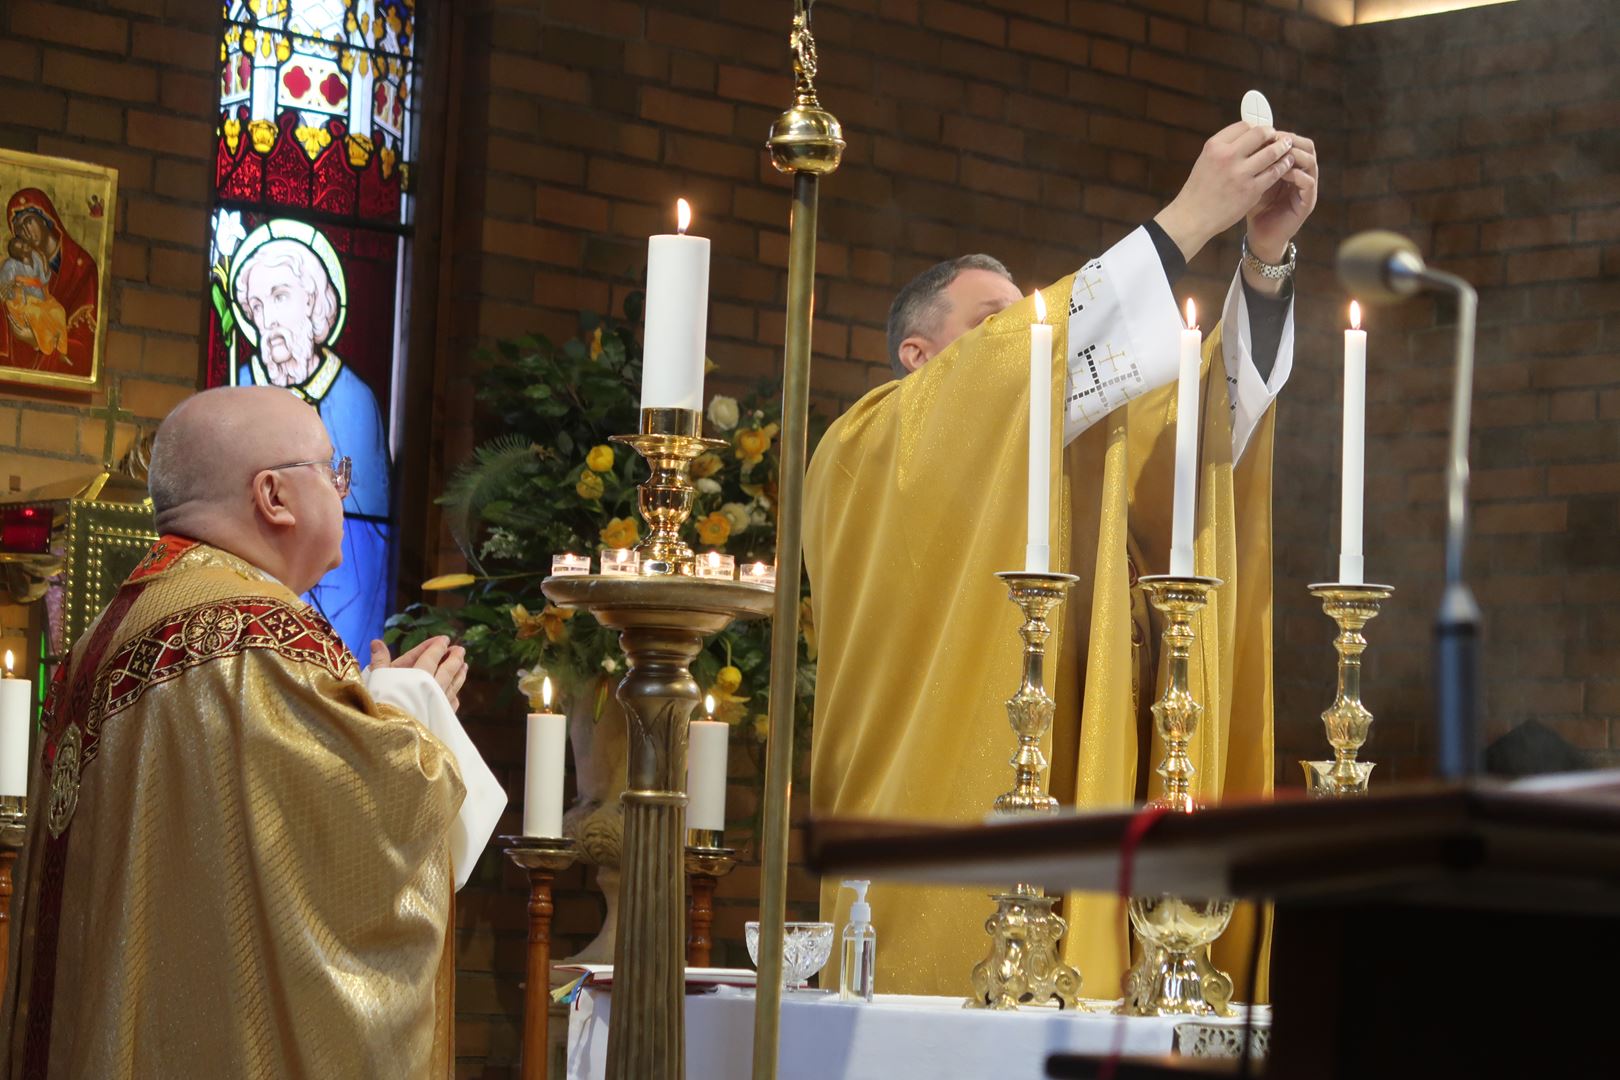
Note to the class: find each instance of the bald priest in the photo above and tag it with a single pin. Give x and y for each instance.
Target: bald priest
(242, 851)
(915, 498)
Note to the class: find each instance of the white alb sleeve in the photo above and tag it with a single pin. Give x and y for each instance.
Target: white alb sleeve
(415, 692)
(1123, 332)
(1250, 395)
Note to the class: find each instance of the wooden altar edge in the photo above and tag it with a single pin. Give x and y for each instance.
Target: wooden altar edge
(1551, 843)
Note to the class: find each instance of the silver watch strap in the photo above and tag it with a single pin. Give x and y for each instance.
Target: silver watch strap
(1270, 271)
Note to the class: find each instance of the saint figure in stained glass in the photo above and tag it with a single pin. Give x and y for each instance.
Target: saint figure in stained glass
(312, 225)
(289, 299)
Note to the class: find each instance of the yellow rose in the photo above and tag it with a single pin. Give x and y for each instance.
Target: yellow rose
(753, 443)
(762, 727)
(705, 466)
(600, 459)
(590, 486)
(621, 533)
(714, 528)
(807, 627)
(728, 680)
(596, 349)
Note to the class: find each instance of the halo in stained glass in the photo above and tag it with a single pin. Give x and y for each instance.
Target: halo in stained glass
(306, 236)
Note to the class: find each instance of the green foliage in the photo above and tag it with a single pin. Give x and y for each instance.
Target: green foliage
(552, 482)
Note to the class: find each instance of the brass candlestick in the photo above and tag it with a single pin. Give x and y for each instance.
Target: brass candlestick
(706, 863)
(1347, 720)
(1024, 966)
(1174, 975)
(543, 857)
(662, 623)
(670, 439)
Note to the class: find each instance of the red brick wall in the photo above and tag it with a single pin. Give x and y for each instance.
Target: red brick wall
(129, 84)
(1490, 136)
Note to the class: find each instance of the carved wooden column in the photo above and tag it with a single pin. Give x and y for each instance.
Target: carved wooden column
(13, 834)
(542, 857)
(705, 866)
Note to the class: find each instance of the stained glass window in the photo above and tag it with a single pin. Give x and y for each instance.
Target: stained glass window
(311, 229)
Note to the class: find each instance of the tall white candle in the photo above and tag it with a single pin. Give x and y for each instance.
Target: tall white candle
(543, 770)
(1184, 508)
(13, 732)
(677, 318)
(1037, 552)
(707, 744)
(1355, 449)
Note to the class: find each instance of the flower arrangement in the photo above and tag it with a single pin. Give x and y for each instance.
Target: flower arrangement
(553, 483)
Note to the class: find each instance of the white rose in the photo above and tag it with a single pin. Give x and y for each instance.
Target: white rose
(723, 412)
(609, 664)
(708, 485)
(737, 514)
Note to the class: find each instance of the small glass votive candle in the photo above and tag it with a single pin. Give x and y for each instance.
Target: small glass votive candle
(715, 564)
(568, 564)
(758, 573)
(622, 562)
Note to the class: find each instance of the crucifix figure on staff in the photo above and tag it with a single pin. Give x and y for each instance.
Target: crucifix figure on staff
(917, 495)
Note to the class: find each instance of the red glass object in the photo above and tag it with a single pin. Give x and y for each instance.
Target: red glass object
(25, 530)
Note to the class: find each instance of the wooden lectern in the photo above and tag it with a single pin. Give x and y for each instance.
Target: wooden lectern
(1424, 932)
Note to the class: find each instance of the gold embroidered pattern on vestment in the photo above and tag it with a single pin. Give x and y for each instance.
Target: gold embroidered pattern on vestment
(202, 633)
(64, 782)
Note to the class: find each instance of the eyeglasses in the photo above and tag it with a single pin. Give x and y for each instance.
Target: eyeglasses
(340, 467)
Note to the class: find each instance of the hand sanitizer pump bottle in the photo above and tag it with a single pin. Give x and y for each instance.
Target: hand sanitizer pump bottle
(859, 960)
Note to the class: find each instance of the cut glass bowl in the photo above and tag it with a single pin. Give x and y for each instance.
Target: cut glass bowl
(806, 947)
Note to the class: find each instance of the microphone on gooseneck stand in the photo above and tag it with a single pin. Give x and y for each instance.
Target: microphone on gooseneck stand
(1386, 268)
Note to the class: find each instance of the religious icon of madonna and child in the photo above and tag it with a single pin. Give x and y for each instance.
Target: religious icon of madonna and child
(53, 247)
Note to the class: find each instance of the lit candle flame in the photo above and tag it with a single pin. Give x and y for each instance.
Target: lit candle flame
(1040, 307)
(714, 560)
(1192, 314)
(683, 216)
(708, 705)
(10, 661)
(1355, 315)
(545, 692)
(759, 568)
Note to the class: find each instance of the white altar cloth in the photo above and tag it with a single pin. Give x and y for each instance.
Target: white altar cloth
(894, 1038)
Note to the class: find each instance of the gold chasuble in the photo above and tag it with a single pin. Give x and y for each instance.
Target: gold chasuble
(916, 497)
(238, 863)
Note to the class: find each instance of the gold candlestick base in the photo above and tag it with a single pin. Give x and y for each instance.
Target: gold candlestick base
(1347, 720)
(662, 623)
(1025, 965)
(669, 440)
(1174, 975)
(706, 863)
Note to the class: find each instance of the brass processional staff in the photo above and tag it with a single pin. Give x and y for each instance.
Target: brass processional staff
(807, 142)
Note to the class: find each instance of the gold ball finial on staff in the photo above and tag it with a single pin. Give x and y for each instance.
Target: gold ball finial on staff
(806, 138)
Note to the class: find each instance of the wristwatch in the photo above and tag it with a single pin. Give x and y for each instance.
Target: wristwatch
(1271, 271)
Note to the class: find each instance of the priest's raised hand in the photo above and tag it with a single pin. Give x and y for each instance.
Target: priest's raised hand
(241, 851)
(447, 664)
(916, 497)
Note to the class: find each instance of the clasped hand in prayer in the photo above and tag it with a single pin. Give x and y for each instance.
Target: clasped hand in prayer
(447, 664)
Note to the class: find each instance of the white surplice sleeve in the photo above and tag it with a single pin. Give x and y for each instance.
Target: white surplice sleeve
(415, 692)
(1123, 332)
(1250, 394)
